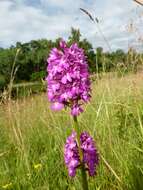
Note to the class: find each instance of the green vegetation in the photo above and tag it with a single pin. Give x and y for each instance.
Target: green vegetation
(32, 139)
(30, 63)
(27, 89)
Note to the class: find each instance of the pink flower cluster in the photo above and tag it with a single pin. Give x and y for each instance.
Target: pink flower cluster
(68, 78)
(90, 155)
(71, 154)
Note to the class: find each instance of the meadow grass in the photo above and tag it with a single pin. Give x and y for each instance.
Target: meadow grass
(32, 138)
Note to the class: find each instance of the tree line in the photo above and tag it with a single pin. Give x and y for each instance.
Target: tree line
(31, 60)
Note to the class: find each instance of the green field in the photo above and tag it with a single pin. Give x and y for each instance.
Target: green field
(32, 139)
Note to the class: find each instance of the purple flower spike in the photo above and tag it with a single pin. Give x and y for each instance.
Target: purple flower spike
(90, 155)
(71, 154)
(68, 77)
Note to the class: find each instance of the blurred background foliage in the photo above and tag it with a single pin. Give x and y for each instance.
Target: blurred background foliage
(30, 64)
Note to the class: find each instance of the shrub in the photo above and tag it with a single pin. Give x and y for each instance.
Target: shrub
(38, 76)
(2, 82)
(26, 89)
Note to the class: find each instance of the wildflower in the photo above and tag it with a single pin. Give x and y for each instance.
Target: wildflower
(90, 155)
(71, 155)
(68, 78)
(76, 110)
(37, 166)
(7, 186)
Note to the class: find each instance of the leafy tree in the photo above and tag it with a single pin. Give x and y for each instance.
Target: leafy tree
(74, 37)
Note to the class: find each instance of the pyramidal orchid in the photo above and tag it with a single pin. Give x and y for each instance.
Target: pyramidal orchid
(68, 78)
(68, 85)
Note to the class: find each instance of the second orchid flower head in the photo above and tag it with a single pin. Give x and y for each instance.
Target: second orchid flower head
(68, 78)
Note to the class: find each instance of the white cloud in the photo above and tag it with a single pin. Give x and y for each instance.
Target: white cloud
(22, 21)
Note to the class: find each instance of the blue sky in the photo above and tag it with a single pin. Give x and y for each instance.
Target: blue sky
(24, 20)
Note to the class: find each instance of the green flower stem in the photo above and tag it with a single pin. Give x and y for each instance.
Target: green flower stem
(83, 170)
